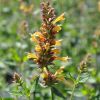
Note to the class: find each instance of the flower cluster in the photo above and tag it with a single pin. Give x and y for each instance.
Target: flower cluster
(23, 28)
(16, 78)
(26, 8)
(46, 48)
(85, 63)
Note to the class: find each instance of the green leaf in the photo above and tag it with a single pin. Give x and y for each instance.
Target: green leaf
(76, 93)
(2, 65)
(57, 92)
(84, 77)
(36, 84)
(6, 98)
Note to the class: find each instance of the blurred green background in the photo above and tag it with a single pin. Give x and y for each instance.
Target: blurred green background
(80, 34)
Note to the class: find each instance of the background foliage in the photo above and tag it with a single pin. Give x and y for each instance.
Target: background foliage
(80, 34)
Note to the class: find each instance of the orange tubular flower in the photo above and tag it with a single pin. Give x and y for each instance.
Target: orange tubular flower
(63, 58)
(56, 29)
(40, 36)
(38, 48)
(31, 56)
(58, 42)
(33, 38)
(59, 71)
(55, 51)
(59, 18)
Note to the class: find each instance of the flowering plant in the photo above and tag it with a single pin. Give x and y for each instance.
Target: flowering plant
(46, 48)
(46, 53)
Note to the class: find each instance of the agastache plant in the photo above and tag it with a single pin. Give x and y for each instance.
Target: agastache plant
(46, 51)
(46, 48)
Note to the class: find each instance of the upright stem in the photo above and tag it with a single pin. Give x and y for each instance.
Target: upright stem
(72, 92)
(52, 95)
(34, 93)
(76, 82)
(29, 97)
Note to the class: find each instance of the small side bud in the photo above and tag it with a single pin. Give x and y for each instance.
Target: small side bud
(16, 77)
(85, 63)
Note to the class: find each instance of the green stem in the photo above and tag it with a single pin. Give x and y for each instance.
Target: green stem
(75, 84)
(34, 93)
(29, 98)
(52, 95)
(72, 92)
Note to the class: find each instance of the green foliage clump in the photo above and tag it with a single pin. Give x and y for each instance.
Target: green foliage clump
(81, 37)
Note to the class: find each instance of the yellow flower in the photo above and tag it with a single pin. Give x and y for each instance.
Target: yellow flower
(25, 8)
(45, 70)
(47, 46)
(56, 51)
(35, 35)
(37, 48)
(40, 35)
(31, 56)
(56, 29)
(63, 58)
(44, 74)
(61, 78)
(59, 71)
(33, 38)
(60, 18)
(58, 42)
(22, 6)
